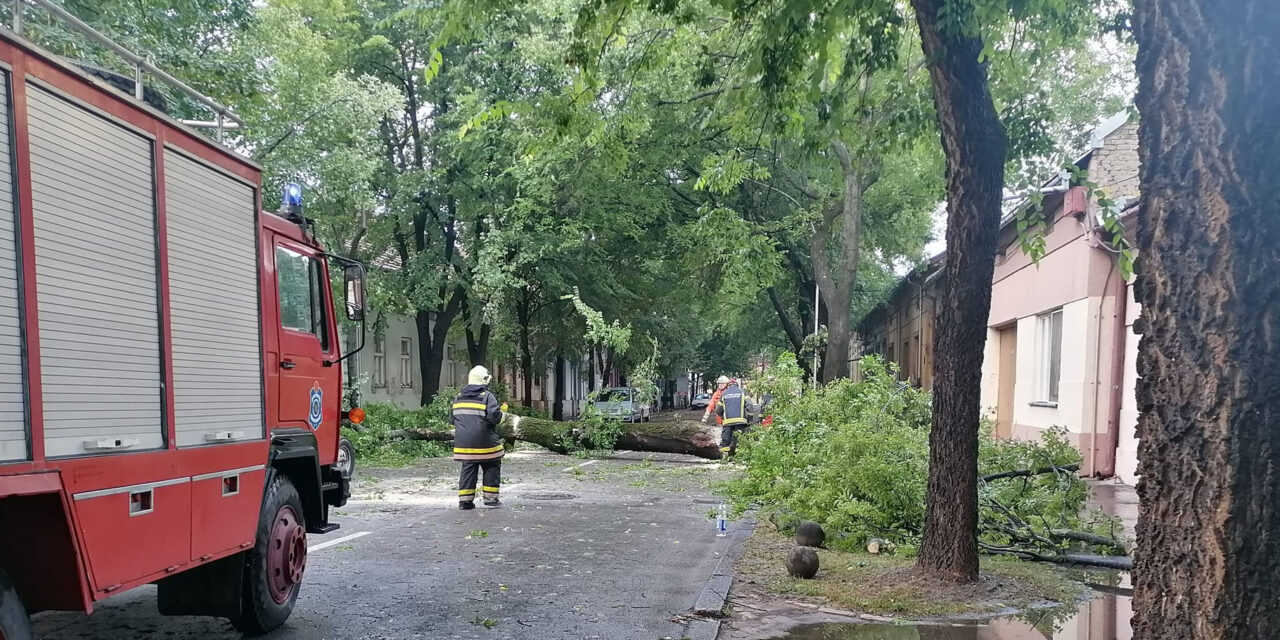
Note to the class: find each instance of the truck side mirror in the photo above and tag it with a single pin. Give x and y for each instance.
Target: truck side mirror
(353, 283)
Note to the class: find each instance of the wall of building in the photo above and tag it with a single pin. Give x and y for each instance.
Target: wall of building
(391, 378)
(1114, 166)
(1127, 447)
(1032, 414)
(903, 331)
(1083, 281)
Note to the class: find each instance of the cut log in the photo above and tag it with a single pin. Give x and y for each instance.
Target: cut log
(679, 436)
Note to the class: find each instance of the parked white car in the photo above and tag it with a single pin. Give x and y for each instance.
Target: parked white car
(621, 403)
(700, 401)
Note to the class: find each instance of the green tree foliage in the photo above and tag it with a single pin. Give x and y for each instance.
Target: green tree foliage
(854, 457)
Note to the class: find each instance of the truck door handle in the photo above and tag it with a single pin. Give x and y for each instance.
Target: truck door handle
(287, 364)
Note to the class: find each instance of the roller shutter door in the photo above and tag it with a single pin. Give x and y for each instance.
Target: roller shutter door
(213, 296)
(96, 282)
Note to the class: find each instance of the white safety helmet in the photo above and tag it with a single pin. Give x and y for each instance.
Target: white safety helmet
(722, 380)
(478, 375)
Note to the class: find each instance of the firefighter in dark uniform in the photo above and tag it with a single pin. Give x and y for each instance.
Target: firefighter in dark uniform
(732, 407)
(476, 444)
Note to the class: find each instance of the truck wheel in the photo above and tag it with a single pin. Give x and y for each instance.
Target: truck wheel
(273, 572)
(346, 463)
(14, 623)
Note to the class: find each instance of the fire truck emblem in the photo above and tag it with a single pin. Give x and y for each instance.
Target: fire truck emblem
(314, 416)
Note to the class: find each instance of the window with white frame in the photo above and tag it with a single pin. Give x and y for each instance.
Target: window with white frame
(406, 362)
(1048, 355)
(380, 363)
(450, 373)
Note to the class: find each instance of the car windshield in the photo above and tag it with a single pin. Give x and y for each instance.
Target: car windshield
(702, 396)
(614, 395)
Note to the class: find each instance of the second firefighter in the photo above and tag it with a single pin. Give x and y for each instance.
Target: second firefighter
(476, 443)
(732, 408)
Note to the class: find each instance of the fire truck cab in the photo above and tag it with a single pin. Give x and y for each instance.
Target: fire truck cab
(170, 369)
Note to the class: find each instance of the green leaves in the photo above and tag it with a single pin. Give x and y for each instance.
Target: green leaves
(433, 65)
(499, 110)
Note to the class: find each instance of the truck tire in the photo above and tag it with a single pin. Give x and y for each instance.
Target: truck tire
(274, 567)
(14, 622)
(346, 463)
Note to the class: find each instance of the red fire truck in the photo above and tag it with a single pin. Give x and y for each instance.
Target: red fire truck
(170, 370)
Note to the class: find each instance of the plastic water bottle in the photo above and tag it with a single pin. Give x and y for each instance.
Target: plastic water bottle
(722, 520)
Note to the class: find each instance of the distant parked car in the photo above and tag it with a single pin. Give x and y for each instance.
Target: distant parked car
(621, 403)
(700, 401)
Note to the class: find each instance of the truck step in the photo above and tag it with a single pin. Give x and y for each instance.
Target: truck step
(329, 486)
(324, 528)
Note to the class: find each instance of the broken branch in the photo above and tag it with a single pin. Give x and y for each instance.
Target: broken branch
(1019, 473)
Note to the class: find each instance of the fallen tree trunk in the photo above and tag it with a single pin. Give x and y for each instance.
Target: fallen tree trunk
(1123, 563)
(681, 436)
(421, 434)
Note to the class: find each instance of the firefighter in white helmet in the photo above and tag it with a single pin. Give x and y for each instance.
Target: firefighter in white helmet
(721, 383)
(476, 443)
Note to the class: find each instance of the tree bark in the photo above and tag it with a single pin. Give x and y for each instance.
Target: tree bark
(974, 142)
(557, 409)
(836, 281)
(1208, 281)
(433, 333)
(591, 369)
(523, 317)
(477, 342)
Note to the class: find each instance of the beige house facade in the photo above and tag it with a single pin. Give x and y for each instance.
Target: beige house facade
(1060, 331)
(1060, 349)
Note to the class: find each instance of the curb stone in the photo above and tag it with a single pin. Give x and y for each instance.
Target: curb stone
(711, 602)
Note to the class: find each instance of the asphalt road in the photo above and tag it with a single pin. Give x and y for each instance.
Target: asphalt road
(613, 549)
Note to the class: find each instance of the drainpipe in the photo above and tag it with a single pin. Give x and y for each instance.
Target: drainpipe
(1118, 342)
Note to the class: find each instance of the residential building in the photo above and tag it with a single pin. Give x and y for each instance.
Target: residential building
(389, 369)
(1060, 349)
(901, 330)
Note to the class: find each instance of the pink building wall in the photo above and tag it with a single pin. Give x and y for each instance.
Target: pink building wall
(1079, 276)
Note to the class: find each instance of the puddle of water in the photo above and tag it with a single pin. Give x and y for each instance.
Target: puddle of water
(1104, 618)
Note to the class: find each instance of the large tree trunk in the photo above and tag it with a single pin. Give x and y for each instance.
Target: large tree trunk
(1209, 285)
(432, 336)
(524, 318)
(557, 409)
(591, 369)
(836, 281)
(478, 344)
(974, 142)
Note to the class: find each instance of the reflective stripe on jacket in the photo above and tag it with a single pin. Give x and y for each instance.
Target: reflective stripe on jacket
(732, 406)
(476, 416)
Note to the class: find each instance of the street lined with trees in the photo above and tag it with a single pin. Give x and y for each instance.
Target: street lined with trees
(666, 186)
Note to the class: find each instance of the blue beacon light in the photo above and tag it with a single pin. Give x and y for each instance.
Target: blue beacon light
(292, 195)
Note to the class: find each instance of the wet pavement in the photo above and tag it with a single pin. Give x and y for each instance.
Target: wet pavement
(1115, 498)
(1104, 618)
(611, 549)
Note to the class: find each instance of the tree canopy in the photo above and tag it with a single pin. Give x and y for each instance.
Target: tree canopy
(695, 170)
